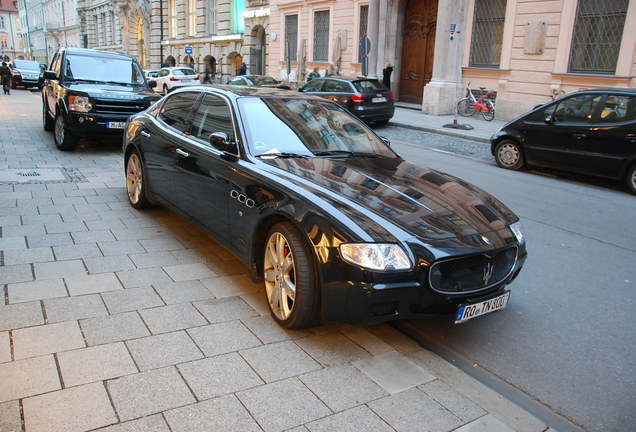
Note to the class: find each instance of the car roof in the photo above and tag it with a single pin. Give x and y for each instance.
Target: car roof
(605, 90)
(348, 78)
(93, 52)
(236, 92)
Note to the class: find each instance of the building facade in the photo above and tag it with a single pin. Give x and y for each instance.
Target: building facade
(10, 40)
(61, 25)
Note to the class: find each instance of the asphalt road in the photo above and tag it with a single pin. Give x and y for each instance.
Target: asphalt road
(566, 339)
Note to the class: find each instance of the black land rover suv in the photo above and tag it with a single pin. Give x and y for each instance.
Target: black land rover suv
(90, 92)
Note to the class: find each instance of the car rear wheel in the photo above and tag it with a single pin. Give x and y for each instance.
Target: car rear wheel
(631, 179)
(290, 281)
(508, 155)
(47, 121)
(165, 89)
(64, 139)
(135, 184)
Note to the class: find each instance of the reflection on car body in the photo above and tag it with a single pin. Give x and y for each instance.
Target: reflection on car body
(336, 225)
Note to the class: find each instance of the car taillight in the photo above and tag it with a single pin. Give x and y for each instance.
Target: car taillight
(393, 96)
(174, 79)
(357, 98)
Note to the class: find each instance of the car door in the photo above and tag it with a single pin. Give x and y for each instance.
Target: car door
(339, 92)
(202, 172)
(559, 135)
(613, 140)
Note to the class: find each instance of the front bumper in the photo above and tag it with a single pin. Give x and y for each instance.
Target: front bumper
(86, 124)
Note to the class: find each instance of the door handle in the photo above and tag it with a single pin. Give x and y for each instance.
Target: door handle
(182, 153)
(630, 139)
(579, 135)
(145, 134)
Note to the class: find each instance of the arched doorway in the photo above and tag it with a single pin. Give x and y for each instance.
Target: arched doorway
(209, 62)
(420, 22)
(238, 60)
(257, 51)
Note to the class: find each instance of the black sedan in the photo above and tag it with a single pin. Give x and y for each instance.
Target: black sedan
(258, 81)
(366, 98)
(590, 132)
(331, 219)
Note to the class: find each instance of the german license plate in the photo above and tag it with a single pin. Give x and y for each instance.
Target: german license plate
(470, 311)
(186, 80)
(115, 125)
(380, 99)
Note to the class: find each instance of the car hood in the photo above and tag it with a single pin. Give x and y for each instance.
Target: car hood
(393, 198)
(113, 91)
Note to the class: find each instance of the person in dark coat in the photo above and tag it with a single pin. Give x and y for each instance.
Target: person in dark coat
(243, 69)
(386, 74)
(5, 73)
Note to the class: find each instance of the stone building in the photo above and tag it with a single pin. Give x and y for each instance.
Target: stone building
(61, 25)
(10, 40)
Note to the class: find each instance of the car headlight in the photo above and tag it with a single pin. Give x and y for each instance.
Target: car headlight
(79, 103)
(517, 230)
(376, 256)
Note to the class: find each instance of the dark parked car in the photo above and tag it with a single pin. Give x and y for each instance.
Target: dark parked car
(367, 98)
(590, 132)
(90, 92)
(26, 73)
(336, 224)
(258, 81)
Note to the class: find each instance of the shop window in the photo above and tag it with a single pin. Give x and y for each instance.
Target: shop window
(487, 35)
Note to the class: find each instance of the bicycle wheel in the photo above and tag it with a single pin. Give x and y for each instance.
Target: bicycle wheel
(489, 112)
(466, 107)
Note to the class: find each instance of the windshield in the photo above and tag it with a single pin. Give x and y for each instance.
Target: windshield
(103, 69)
(261, 80)
(27, 64)
(183, 71)
(306, 128)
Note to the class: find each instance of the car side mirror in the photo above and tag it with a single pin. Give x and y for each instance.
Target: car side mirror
(386, 141)
(549, 119)
(152, 83)
(221, 141)
(49, 74)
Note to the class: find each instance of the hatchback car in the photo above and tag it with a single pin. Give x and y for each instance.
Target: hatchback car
(26, 73)
(150, 74)
(590, 132)
(336, 224)
(258, 81)
(170, 78)
(367, 98)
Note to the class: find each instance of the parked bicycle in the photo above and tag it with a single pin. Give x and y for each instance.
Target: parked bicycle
(469, 105)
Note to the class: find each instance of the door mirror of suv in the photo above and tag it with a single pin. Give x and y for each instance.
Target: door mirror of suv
(221, 141)
(549, 119)
(49, 74)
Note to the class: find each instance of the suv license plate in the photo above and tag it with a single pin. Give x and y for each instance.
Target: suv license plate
(115, 125)
(378, 99)
(470, 311)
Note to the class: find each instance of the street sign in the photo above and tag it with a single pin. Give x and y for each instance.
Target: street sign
(188, 50)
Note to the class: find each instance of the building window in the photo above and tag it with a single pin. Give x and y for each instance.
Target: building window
(321, 35)
(291, 35)
(596, 40)
(364, 19)
(173, 27)
(487, 36)
(192, 18)
(1, 22)
(212, 16)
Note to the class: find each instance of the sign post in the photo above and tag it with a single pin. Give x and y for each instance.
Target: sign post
(454, 125)
(365, 49)
(188, 50)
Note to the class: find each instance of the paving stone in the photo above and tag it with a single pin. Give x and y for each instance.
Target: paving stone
(268, 331)
(10, 420)
(70, 252)
(222, 338)
(16, 273)
(413, 410)
(164, 350)
(231, 267)
(46, 339)
(398, 340)
(141, 222)
(258, 302)
(40, 219)
(342, 387)
(48, 240)
(96, 363)
(229, 286)
(20, 315)
(27, 256)
(143, 277)
(267, 361)
(36, 290)
(221, 414)
(73, 409)
(173, 317)
(28, 377)
(452, 400)
(113, 328)
(367, 340)
(65, 227)
(182, 272)
(153, 423)
(487, 423)
(74, 308)
(131, 299)
(332, 349)
(8, 243)
(5, 348)
(275, 398)
(225, 309)
(23, 230)
(153, 259)
(141, 233)
(194, 255)
(59, 269)
(182, 292)
(356, 419)
(394, 372)
(162, 244)
(109, 264)
(104, 224)
(120, 247)
(94, 283)
(148, 393)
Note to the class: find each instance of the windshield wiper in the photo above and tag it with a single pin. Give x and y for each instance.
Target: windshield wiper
(281, 155)
(346, 153)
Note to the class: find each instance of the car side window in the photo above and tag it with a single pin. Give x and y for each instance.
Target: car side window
(236, 81)
(336, 87)
(163, 72)
(313, 85)
(576, 109)
(618, 108)
(176, 108)
(212, 115)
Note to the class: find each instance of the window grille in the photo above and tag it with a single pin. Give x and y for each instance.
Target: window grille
(321, 35)
(364, 19)
(212, 18)
(487, 36)
(291, 35)
(598, 31)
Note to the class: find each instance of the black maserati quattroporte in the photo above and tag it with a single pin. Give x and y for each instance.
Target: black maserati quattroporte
(336, 225)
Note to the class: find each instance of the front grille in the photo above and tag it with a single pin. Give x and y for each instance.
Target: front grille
(122, 107)
(472, 273)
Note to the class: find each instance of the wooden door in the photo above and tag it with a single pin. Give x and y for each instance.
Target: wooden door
(418, 49)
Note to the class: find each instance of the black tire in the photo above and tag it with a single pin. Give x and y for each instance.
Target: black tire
(489, 113)
(290, 278)
(631, 179)
(47, 121)
(466, 107)
(508, 154)
(382, 122)
(65, 140)
(136, 181)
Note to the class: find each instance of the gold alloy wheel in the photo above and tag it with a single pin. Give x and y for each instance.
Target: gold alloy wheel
(280, 276)
(134, 178)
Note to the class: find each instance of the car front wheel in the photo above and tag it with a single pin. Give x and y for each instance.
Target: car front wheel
(47, 121)
(290, 281)
(508, 155)
(135, 184)
(631, 179)
(64, 138)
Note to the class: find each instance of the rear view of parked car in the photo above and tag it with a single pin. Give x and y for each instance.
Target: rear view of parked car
(170, 78)
(366, 98)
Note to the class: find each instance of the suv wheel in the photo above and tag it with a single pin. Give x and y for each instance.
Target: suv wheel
(64, 138)
(631, 179)
(47, 121)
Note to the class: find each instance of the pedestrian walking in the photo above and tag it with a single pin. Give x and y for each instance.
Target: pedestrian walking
(6, 74)
(243, 69)
(313, 74)
(386, 74)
